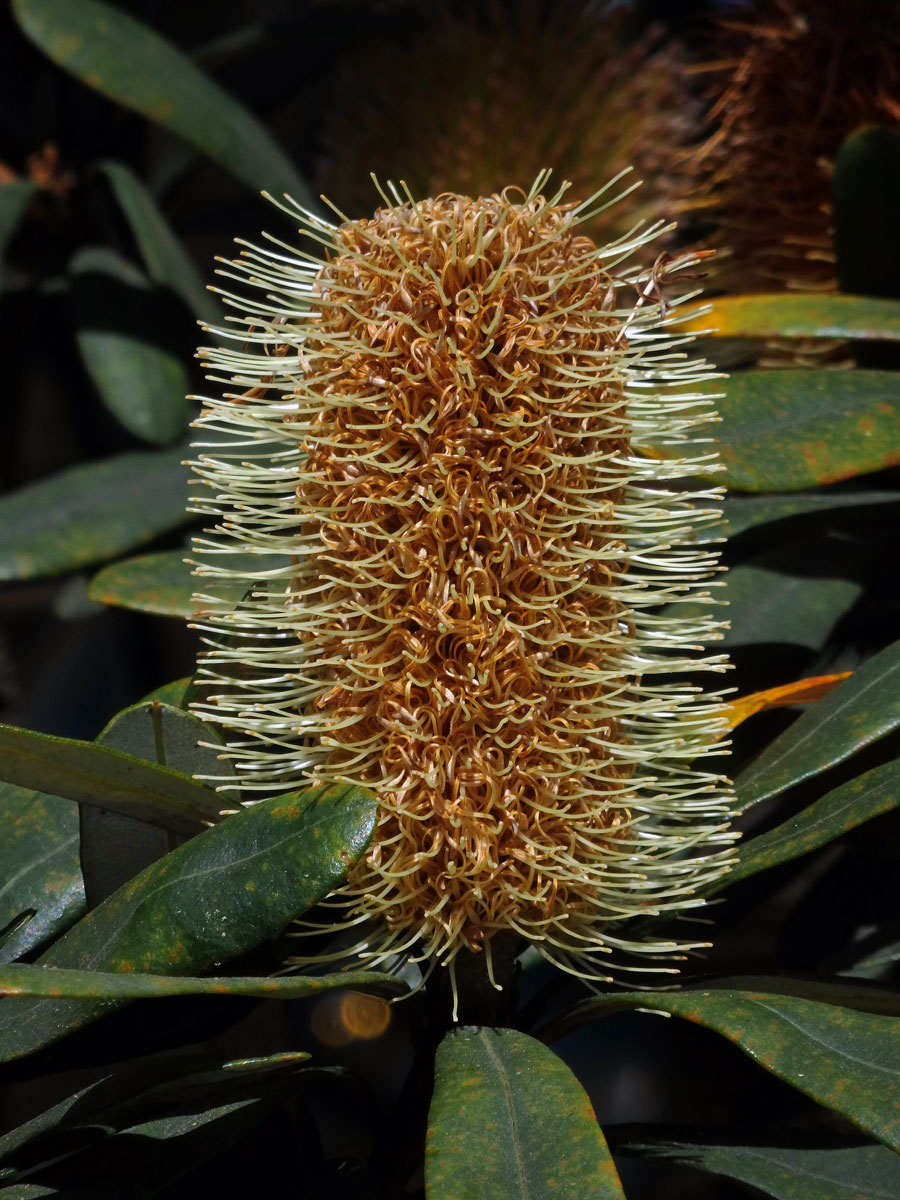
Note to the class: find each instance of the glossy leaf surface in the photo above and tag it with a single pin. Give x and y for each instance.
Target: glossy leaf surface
(790, 429)
(861, 710)
(93, 774)
(24, 979)
(130, 63)
(835, 814)
(141, 381)
(796, 315)
(39, 867)
(509, 1121)
(823, 1170)
(846, 1059)
(167, 262)
(210, 900)
(90, 513)
(163, 583)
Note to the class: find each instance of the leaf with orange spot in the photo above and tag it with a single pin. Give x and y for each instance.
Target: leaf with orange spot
(803, 691)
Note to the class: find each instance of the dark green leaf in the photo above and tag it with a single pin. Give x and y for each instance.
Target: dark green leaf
(130, 63)
(167, 263)
(14, 197)
(93, 774)
(786, 430)
(119, 322)
(90, 513)
(162, 583)
(39, 867)
(772, 599)
(24, 979)
(864, 191)
(810, 1169)
(210, 900)
(509, 1121)
(740, 513)
(846, 1059)
(163, 734)
(861, 799)
(797, 315)
(859, 711)
(116, 846)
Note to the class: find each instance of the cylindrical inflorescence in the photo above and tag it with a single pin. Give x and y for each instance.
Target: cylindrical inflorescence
(459, 425)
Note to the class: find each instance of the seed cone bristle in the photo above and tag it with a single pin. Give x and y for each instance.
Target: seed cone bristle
(787, 85)
(454, 409)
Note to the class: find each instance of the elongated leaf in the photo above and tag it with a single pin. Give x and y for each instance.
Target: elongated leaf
(741, 513)
(116, 846)
(14, 198)
(212, 899)
(861, 710)
(120, 328)
(93, 774)
(845, 1059)
(768, 602)
(24, 979)
(122, 1098)
(509, 1120)
(786, 430)
(39, 867)
(795, 315)
(130, 63)
(167, 262)
(162, 583)
(90, 513)
(861, 799)
(810, 1169)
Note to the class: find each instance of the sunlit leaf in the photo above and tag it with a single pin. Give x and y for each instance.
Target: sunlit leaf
(788, 429)
(210, 900)
(93, 774)
(128, 62)
(508, 1120)
(24, 979)
(794, 315)
(90, 513)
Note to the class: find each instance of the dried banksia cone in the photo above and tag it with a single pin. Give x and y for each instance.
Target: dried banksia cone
(788, 85)
(493, 90)
(443, 425)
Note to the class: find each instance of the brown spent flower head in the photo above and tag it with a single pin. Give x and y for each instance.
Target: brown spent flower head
(787, 87)
(493, 90)
(452, 412)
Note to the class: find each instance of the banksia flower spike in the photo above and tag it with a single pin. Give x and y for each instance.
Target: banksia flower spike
(449, 425)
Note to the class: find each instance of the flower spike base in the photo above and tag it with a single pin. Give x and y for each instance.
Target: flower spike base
(441, 418)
